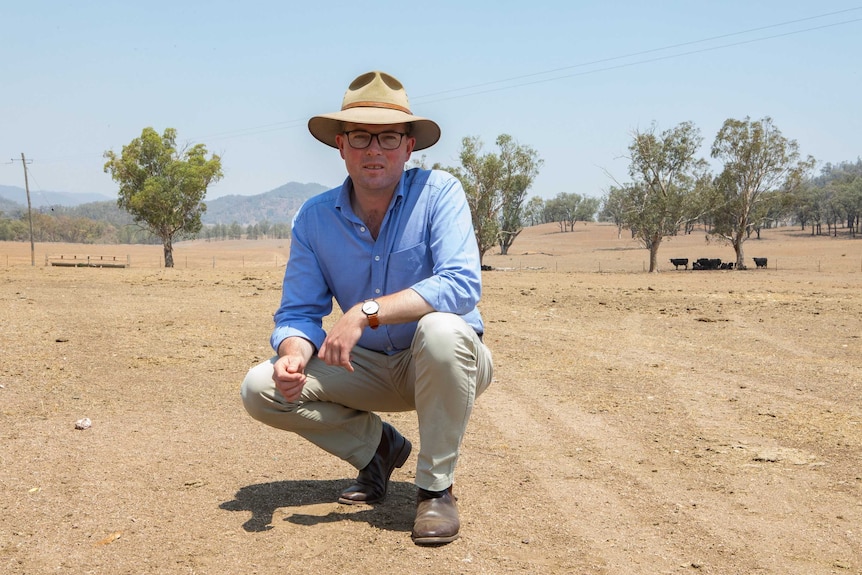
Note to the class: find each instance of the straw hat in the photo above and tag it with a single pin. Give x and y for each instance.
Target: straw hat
(374, 98)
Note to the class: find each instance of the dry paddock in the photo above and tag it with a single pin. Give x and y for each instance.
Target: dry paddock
(680, 422)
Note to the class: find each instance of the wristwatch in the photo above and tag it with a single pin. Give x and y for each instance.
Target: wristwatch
(370, 309)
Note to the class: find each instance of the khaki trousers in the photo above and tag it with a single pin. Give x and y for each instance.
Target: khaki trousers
(440, 376)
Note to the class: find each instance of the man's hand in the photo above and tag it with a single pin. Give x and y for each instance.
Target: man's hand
(342, 337)
(288, 372)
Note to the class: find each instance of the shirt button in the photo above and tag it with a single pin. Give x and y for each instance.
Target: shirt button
(377, 291)
(376, 258)
(361, 228)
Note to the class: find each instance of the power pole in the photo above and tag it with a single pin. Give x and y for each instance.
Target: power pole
(29, 211)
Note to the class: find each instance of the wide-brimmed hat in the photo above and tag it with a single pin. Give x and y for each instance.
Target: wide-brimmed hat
(374, 98)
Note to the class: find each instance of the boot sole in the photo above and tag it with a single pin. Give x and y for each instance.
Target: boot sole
(435, 540)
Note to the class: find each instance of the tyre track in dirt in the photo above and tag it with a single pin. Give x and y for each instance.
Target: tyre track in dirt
(620, 518)
(679, 480)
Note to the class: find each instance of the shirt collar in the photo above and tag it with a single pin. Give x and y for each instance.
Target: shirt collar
(342, 202)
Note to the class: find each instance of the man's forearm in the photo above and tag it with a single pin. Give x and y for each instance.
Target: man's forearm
(402, 307)
(296, 346)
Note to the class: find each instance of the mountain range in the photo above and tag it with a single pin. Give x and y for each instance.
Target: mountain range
(42, 199)
(275, 206)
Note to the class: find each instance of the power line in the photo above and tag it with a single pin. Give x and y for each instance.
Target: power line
(466, 91)
(661, 49)
(526, 79)
(619, 66)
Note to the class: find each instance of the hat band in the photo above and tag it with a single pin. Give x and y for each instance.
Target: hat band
(377, 105)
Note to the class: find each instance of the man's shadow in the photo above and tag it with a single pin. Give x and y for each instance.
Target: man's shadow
(395, 513)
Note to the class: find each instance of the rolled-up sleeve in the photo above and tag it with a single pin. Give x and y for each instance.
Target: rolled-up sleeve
(456, 283)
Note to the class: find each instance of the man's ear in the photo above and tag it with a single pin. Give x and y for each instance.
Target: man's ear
(339, 141)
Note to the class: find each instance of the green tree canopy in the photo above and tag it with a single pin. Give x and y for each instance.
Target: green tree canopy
(758, 160)
(496, 186)
(669, 182)
(520, 167)
(567, 208)
(614, 207)
(845, 179)
(162, 187)
(533, 211)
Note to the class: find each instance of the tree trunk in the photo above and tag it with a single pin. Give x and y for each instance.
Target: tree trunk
(740, 254)
(653, 255)
(169, 254)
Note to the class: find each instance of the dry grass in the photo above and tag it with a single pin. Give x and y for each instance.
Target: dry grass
(677, 422)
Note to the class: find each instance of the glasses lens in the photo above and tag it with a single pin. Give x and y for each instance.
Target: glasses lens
(389, 140)
(361, 140)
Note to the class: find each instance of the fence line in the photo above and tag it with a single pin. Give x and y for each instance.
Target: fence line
(587, 262)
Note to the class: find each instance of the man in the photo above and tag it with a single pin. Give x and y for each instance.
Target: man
(397, 251)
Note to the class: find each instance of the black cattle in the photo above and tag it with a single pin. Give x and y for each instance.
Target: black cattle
(706, 264)
(679, 262)
(760, 262)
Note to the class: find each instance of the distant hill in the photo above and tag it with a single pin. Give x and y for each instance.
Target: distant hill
(43, 199)
(275, 206)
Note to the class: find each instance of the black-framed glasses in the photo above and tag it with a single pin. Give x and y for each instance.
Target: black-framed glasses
(360, 139)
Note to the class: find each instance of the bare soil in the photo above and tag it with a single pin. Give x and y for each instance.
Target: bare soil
(679, 422)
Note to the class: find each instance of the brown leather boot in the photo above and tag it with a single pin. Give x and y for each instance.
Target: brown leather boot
(436, 518)
(373, 479)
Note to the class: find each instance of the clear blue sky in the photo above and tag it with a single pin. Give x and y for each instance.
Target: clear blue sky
(571, 79)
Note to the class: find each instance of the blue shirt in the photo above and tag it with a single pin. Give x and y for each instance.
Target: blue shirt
(426, 242)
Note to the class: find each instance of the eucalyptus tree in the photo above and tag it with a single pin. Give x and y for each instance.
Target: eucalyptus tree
(757, 159)
(613, 208)
(852, 198)
(496, 185)
(845, 179)
(520, 165)
(669, 182)
(163, 187)
(533, 211)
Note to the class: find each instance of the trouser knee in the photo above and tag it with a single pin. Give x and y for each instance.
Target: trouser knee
(440, 334)
(258, 391)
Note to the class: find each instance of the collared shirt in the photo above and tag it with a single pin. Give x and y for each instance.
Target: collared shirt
(426, 242)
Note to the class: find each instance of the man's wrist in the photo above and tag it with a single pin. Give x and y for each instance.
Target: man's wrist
(295, 345)
(371, 309)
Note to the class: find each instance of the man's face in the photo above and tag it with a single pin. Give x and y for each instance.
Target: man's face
(375, 168)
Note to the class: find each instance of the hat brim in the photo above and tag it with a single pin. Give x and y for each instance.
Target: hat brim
(326, 126)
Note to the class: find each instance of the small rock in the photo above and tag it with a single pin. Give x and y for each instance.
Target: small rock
(83, 423)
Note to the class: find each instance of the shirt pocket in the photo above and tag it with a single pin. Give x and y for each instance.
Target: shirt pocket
(413, 262)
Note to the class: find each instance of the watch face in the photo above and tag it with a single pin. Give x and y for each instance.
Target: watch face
(370, 307)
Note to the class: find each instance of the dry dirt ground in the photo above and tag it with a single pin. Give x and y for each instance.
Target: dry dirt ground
(679, 422)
